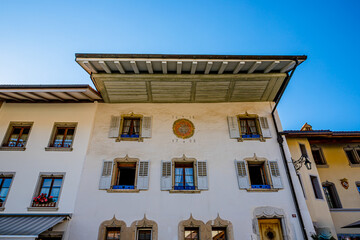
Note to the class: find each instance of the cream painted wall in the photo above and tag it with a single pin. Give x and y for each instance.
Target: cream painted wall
(211, 142)
(28, 164)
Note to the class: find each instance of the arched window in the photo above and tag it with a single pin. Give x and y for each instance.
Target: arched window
(331, 195)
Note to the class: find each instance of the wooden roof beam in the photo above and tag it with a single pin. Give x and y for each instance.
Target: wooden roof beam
(68, 94)
(90, 66)
(164, 67)
(287, 67)
(55, 96)
(8, 97)
(119, 67)
(222, 67)
(178, 67)
(105, 66)
(134, 67)
(271, 66)
(24, 96)
(238, 67)
(193, 67)
(208, 67)
(254, 66)
(149, 67)
(37, 95)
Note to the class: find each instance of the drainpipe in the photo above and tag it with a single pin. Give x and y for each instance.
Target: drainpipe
(280, 141)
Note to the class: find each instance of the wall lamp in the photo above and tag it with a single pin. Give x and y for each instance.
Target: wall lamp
(304, 159)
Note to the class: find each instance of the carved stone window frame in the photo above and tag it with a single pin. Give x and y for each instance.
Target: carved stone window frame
(219, 222)
(184, 159)
(126, 159)
(268, 212)
(258, 126)
(112, 223)
(192, 223)
(143, 224)
(131, 115)
(317, 148)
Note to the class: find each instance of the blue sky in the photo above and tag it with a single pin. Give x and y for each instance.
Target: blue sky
(38, 42)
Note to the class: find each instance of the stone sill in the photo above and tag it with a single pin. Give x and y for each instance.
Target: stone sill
(42, 209)
(12, 148)
(262, 190)
(59, 149)
(354, 165)
(185, 191)
(322, 165)
(123, 190)
(129, 139)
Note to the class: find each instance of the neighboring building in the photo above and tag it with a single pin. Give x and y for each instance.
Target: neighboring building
(335, 158)
(44, 133)
(186, 147)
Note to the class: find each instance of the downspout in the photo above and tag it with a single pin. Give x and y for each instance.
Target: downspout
(280, 141)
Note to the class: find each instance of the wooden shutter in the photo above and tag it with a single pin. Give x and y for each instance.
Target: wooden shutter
(275, 174)
(233, 127)
(242, 174)
(166, 175)
(106, 173)
(146, 127)
(114, 126)
(202, 175)
(265, 127)
(143, 175)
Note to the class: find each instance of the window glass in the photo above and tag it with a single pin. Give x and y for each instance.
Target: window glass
(125, 176)
(112, 233)
(63, 137)
(144, 234)
(351, 156)
(191, 233)
(51, 187)
(4, 188)
(218, 234)
(184, 176)
(303, 150)
(248, 128)
(318, 158)
(316, 187)
(358, 187)
(18, 136)
(331, 196)
(258, 176)
(131, 128)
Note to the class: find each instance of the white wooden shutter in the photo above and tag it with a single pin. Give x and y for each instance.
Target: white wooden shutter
(242, 174)
(146, 127)
(275, 174)
(166, 175)
(143, 175)
(233, 127)
(105, 179)
(265, 127)
(114, 126)
(202, 173)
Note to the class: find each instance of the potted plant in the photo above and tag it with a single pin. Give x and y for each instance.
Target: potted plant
(43, 201)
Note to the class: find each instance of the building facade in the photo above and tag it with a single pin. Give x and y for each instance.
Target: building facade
(331, 187)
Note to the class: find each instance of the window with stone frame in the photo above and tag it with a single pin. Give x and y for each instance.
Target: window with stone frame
(218, 233)
(5, 184)
(331, 195)
(17, 135)
(184, 174)
(112, 233)
(318, 155)
(191, 233)
(353, 154)
(62, 136)
(144, 234)
(316, 187)
(48, 190)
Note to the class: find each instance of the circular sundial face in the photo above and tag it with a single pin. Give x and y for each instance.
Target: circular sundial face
(183, 128)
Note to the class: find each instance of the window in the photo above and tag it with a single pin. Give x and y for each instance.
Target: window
(131, 127)
(353, 154)
(184, 174)
(144, 234)
(331, 195)
(318, 155)
(5, 183)
(358, 186)
(316, 186)
(49, 191)
(258, 173)
(303, 150)
(191, 233)
(218, 233)
(248, 126)
(258, 176)
(17, 135)
(125, 174)
(63, 135)
(112, 233)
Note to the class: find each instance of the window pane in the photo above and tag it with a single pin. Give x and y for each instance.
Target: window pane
(55, 192)
(7, 182)
(243, 127)
(218, 234)
(252, 126)
(4, 192)
(47, 182)
(112, 233)
(303, 150)
(144, 235)
(328, 197)
(45, 190)
(57, 182)
(351, 156)
(358, 187)
(316, 187)
(318, 157)
(191, 233)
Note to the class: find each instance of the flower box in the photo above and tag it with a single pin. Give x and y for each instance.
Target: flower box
(50, 204)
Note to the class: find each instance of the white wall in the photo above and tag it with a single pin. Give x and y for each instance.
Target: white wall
(29, 163)
(212, 143)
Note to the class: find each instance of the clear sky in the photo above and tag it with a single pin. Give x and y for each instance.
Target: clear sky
(39, 39)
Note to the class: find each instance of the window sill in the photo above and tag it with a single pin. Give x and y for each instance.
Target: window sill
(139, 139)
(2, 209)
(263, 190)
(251, 139)
(12, 148)
(123, 190)
(185, 191)
(45, 209)
(322, 165)
(59, 149)
(354, 165)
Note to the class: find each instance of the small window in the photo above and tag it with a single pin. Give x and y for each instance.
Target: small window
(130, 127)
(249, 128)
(112, 233)
(352, 155)
(144, 234)
(258, 176)
(358, 186)
(5, 183)
(125, 176)
(218, 233)
(17, 135)
(191, 233)
(316, 187)
(184, 176)
(63, 137)
(318, 155)
(49, 192)
(331, 195)
(303, 150)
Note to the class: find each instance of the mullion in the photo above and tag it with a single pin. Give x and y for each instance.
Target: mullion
(64, 137)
